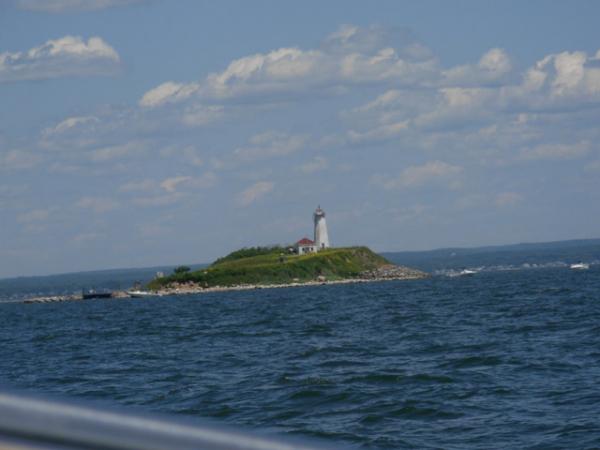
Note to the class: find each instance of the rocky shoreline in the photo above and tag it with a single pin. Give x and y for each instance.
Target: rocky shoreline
(70, 298)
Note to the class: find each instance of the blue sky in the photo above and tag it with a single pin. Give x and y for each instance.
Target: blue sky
(140, 133)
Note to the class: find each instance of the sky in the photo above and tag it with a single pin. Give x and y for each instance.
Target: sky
(141, 133)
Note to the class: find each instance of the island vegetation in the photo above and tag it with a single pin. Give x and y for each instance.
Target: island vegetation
(277, 265)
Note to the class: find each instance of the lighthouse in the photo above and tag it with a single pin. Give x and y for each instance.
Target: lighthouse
(321, 236)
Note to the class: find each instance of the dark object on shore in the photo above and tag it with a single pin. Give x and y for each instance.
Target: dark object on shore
(92, 293)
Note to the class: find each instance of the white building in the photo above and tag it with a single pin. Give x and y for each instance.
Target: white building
(304, 246)
(321, 236)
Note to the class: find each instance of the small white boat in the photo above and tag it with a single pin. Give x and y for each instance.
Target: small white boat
(137, 293)
(466, 273)
(580, 266)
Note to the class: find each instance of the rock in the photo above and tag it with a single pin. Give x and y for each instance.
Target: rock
(391, 271)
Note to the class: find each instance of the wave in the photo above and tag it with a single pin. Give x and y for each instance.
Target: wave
(453, 272)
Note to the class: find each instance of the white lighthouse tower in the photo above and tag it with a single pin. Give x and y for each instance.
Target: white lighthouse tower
(321, 236)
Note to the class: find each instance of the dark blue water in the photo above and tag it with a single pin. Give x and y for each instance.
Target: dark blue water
(503, 359)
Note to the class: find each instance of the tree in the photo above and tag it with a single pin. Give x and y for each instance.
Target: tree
(181, 269)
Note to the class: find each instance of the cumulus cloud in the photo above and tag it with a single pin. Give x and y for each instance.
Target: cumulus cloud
(270, 144)
(66, 56)
(493, 66)
(169, 92)
(433, 172)
(349, 56)
(254, 192)
(419, 97)
(473, 95)
(567, 79)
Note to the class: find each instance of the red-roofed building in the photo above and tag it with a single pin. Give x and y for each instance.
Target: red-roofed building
(305, 245)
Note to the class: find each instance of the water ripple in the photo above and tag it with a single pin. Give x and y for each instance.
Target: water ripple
(509, 359)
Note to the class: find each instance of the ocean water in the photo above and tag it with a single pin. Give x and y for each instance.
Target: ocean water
(507, 358)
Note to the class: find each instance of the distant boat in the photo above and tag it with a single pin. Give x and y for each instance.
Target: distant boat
(466, 273)
(580, 266)
(137, 293)
(92, 293)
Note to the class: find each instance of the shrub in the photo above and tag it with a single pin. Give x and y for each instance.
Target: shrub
(181, 269)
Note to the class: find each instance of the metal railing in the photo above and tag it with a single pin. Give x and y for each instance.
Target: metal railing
(28, 423)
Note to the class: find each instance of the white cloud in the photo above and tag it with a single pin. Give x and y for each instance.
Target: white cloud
(206, 180)
(433, 172)
(270, 144)
(379, 133)
(569, 71)
(254, 192)
(317, 164)
(168, 92)
(61, 6)
(479, 94)
(98, 205)
(170, 184)
(66, 56)
(493, 66)
(112, 152)
(68, 124)
(392, 98)
(559, 80)
(556, 151)
(349, 56)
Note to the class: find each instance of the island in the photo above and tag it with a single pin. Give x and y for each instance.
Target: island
(279, 266)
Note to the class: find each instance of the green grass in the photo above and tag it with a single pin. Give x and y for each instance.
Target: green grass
(267, 266)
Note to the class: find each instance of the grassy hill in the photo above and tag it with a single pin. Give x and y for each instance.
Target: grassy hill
(274, 265)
